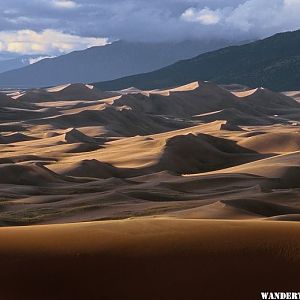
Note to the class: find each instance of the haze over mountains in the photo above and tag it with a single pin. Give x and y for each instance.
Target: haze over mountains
(272, 63)
(108, 62)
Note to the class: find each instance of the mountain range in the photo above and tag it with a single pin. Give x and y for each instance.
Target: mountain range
(273, 63)
(115, 60)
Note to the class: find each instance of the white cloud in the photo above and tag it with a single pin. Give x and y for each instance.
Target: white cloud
(292, 2)
(260, 17)
(64, 4)
(204, 16)
(45, 42)
(33, 60)
(254, 14)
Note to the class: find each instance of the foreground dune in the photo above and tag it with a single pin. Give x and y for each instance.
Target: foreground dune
(150, 259)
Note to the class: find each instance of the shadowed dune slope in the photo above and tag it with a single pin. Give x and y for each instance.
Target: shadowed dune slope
(69, 92)
(285, 169)
(80, 92)
(117, 122)
(93, 169)
(234, 116)
(6, 101)
(194, 153)
(269, 100)
(15, 138)
(31, 174)
(75, 136)
(182, 259)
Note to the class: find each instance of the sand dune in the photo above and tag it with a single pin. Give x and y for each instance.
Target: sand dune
(182, 259)
(163, 194)
(217, 210)
(273, 142)
(57, 88)
(270, 102)
(230, 127)
(31, 174)
(181, 101)
(80, 92)
(235, 117)
(6, 101)
(245, 93)
(190, 192)
(64, 93)
(192, 154)
(116, 121)
(194, 151)
(284, 169)
(35, 96)
(89, 168)
(288, 217)
(15, 138)
(75, 136)
(93, 169)
(255, 107)
(262, 208)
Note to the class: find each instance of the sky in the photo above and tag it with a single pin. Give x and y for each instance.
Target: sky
(53, 27)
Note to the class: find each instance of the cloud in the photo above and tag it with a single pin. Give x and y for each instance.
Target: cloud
(249, 18)
(45, 42)
(155, 20)
(64, 4)
(33, 60)
(204, 16)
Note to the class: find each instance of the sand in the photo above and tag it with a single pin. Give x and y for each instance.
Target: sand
(150, 258)
(166, 194)
(197, 151)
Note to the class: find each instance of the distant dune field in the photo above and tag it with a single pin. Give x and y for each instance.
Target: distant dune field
(74, 153)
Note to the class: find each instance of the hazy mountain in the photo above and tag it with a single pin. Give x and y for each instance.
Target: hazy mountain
(105, 63)
(273, 63)
(19, 62)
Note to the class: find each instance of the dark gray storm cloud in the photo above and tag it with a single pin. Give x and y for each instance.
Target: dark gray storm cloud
(146, 20)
